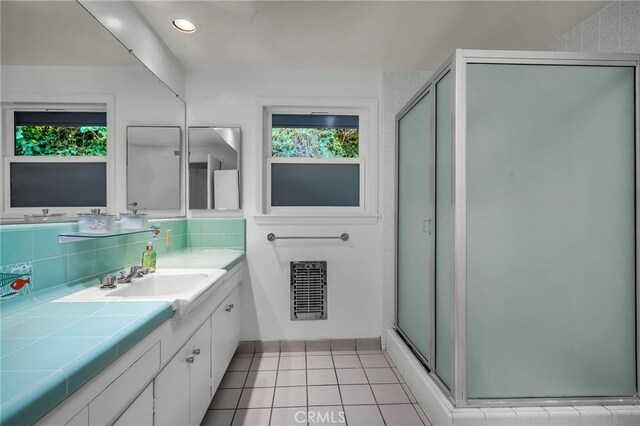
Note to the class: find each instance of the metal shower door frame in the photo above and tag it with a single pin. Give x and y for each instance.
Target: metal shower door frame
(457, 64)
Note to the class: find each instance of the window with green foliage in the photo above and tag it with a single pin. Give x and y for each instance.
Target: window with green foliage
(59, 140)
(315, 136)
(44, 133)
(315, 161)
(57, 159)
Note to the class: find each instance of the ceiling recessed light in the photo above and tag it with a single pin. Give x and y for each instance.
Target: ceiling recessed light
(184, 25)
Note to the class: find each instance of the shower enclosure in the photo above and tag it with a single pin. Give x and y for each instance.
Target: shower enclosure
(516, 271)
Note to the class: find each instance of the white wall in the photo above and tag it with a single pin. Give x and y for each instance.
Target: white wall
(613, 29)
(355, 273)
(140, 99)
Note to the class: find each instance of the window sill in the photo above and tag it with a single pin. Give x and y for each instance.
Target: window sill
(280, 219)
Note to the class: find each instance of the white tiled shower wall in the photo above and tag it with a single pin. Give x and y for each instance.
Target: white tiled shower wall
(397, 89)
(613, 29)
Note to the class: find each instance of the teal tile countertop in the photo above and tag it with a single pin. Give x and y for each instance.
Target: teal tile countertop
(52, 349)
(49, 350)
(202, 258)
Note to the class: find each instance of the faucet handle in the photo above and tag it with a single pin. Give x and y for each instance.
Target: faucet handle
(142, 271)
(108, 279)
(122, 277)
(108, 282)
(134, 205)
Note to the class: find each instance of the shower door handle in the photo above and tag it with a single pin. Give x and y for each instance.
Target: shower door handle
(426, 226)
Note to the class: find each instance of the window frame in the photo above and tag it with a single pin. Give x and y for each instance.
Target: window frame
(11, 104)
(367, 112)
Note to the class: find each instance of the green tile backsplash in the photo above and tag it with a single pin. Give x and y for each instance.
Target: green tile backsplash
(16, 246)
(54, 264)
(216, 233)
(51, 272)
(214, 226)
(47, 242)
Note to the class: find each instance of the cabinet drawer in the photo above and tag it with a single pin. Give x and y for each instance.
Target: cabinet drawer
(107, 406)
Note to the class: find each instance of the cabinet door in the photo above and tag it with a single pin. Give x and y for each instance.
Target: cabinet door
(80, 419)
(224, 336)
(172, 391)
(200, 373)
(234, 327)
(140, 412)
(219, 331)
(183, 387)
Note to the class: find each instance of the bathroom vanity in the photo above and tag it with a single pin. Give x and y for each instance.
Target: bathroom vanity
(169, 368)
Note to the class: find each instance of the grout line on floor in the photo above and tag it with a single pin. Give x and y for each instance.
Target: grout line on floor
(235, 411)
(335, 374)
(273, 397)
(372, 393)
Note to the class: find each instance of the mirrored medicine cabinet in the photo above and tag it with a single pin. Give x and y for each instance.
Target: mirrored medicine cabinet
(214, 168)
(153, 167)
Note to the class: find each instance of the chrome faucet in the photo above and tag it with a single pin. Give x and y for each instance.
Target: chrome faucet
(134, 272)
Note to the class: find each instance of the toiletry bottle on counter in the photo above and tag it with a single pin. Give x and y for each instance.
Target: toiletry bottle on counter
(149, 258)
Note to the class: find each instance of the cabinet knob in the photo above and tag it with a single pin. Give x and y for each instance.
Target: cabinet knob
(196, 351)
(190, 360)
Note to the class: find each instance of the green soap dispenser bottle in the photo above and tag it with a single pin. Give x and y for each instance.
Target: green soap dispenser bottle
(149, 258)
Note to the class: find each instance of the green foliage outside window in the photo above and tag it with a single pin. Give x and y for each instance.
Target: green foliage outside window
(61, 140)
(315, 143)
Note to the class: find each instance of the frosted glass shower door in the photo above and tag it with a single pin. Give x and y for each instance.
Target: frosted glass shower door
(550, 231)
(414, 189)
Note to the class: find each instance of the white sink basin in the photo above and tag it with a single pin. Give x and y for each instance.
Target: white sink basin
(159, 285)
(185, 289)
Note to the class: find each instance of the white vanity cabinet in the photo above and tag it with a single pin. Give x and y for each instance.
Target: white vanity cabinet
(170, 376)
(183, 387)
(225, 334)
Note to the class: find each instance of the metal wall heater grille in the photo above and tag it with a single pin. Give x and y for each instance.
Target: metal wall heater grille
(308, 290)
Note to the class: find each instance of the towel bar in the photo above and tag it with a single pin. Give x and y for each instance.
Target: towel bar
(272, 237)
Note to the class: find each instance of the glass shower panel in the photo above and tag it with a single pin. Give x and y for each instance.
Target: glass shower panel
(414, 191)
(444, 231)
(550, 231)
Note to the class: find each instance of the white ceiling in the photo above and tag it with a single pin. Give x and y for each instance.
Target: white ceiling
(57, 33)
(355, 35)
(298, 35)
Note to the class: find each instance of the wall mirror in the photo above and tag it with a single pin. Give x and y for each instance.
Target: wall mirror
(214, 168)
(87, 85)
(153, 167)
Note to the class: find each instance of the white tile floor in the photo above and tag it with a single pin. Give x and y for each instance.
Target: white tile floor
(307, 388)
